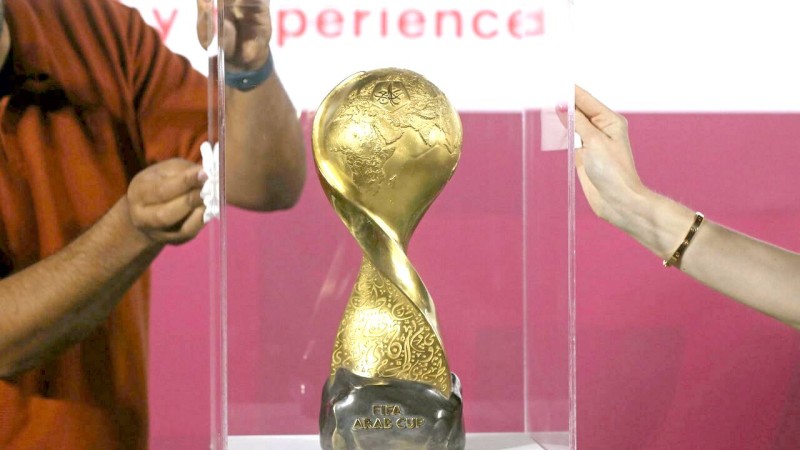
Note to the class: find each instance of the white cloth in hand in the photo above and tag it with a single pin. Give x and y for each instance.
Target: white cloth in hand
(210, 191)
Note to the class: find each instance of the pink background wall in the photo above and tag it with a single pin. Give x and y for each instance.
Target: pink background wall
(663, 362)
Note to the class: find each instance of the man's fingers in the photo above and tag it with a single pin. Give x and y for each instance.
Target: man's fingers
(164, 197)
(247, 31)
(184, 231)
(229, 37)
(193, 224)
(205, 22)
(254, 50)
(187, 230)
(162, 187)
(175, 187)
(169, 215)
(242, 7)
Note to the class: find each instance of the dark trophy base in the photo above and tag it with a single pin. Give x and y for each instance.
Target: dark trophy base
(367, 414)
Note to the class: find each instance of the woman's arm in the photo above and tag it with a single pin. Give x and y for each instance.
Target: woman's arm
(755, 273)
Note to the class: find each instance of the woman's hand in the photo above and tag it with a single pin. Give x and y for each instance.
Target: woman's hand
(605, 162)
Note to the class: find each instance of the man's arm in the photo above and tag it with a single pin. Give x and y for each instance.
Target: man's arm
(57, 302)
(265, 162)
(265, 154)
(755, 273)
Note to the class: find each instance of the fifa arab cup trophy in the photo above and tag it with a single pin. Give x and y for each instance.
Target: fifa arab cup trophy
(385, 144)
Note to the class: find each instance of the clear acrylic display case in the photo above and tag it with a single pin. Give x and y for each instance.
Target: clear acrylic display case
(495, 250)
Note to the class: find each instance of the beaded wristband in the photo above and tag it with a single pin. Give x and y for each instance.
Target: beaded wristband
(676, 257)
(246, 81)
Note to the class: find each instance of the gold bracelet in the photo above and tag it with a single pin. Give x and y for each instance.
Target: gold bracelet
(676, 257)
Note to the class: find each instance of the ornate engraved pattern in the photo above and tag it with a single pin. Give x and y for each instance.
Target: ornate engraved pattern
(383, 334)
(390, 94)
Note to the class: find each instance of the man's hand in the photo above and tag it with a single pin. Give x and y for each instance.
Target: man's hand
(164, 201)
(246, 31)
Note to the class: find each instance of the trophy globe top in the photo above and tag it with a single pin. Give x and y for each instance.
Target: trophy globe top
(387, 140)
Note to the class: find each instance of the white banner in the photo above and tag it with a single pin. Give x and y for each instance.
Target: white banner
(657, 55)
(501, 55)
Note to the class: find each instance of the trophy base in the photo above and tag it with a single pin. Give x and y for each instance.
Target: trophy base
(366, 414)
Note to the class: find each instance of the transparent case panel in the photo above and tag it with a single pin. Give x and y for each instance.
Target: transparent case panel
(494, 249)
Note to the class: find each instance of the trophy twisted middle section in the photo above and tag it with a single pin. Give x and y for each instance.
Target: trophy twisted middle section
(389, 328)
(382, 334)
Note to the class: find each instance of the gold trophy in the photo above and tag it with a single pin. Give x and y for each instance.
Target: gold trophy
(385, 144)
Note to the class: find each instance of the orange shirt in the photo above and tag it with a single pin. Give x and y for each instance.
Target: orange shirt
(97, 97)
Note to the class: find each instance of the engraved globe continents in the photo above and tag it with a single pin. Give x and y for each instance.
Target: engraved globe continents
(389, 140)
(385, 144)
